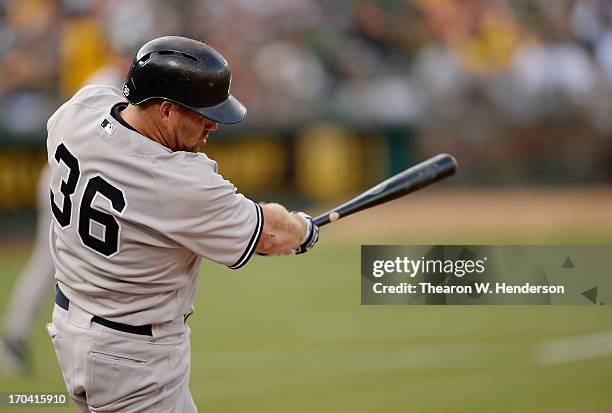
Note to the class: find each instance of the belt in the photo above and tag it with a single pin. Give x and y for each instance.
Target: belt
(146, 330)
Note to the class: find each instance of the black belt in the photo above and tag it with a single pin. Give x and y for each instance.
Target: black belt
(146, 330)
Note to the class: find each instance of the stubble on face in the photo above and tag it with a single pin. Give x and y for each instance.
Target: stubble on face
(191, 131)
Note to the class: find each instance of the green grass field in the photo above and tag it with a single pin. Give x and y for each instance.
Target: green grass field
(289, 335)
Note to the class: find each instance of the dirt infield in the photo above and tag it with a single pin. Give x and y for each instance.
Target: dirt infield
(577, 214)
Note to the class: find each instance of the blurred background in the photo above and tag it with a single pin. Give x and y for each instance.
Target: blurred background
(342, 94)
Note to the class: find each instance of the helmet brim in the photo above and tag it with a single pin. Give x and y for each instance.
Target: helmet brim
(229, 111)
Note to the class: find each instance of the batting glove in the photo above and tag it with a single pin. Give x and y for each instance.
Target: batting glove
(310, 237)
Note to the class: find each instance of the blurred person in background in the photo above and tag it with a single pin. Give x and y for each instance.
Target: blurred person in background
(83, 48)
(32, 287)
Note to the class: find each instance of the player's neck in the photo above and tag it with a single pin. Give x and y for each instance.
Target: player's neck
(137, 118)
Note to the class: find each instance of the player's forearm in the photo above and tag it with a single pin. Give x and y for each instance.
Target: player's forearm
(282, 230)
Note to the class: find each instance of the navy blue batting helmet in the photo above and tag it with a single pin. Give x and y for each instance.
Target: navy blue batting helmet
(187, 72)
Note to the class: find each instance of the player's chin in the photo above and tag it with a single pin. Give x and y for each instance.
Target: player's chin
(198, 145)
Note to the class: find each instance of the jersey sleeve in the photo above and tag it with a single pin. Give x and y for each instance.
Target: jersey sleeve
(203, 212)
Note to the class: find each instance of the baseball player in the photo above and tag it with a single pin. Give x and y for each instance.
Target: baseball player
(135, 206)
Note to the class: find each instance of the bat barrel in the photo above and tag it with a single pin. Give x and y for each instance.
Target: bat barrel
(412, 179)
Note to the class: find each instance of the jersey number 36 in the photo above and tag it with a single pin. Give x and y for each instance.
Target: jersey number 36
(109, 243)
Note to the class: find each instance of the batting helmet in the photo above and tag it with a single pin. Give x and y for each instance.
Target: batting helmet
(187, 72)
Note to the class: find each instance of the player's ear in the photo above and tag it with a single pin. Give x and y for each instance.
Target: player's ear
(164, 110)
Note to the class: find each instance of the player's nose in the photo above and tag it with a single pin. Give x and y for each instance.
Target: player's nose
(211, 126)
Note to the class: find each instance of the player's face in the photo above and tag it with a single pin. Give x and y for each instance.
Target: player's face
(191, 130)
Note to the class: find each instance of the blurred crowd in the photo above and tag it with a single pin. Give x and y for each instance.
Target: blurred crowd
(460, 63)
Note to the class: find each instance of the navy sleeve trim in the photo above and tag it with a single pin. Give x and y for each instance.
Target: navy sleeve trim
(253, 241)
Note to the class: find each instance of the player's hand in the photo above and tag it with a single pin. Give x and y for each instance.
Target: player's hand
(311, 235)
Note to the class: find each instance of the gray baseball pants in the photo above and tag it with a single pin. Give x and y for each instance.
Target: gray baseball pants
(106, 370)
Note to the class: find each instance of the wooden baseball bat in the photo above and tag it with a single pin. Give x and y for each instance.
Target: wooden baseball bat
(411, 180)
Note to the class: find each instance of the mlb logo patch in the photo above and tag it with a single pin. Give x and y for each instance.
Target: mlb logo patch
(108, 127)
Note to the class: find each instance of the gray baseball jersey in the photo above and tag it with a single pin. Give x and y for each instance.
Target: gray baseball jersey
(132, 218)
